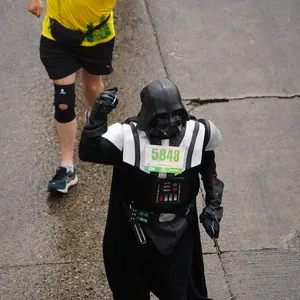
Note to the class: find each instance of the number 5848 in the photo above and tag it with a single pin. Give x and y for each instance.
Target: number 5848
(163, 154)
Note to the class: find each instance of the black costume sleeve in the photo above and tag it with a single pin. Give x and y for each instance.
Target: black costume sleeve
(95, 148)
(212, 185)
(213, 211)
(209, 175)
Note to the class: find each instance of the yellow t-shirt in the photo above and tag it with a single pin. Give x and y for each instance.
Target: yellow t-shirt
(81, 15)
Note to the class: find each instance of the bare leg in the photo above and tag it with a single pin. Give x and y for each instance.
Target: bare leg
(93, 86)
(66, 132)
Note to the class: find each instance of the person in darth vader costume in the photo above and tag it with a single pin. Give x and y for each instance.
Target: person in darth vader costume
(152, 238)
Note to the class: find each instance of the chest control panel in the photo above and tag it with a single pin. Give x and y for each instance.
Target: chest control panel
(168, 191)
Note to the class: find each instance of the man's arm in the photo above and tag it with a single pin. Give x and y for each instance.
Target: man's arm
(213, 211)
(209, 177)
(35, 7)
(93, 147)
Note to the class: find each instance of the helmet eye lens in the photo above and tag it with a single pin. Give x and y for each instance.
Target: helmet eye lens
(162, 121)
(176, 118)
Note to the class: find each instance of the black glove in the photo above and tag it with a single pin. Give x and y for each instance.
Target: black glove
(210, 219)
(104, 104)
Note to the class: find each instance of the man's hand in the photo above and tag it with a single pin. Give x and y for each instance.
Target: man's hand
(211, 227)
(210, 219)
(105, 103)
(35, 7)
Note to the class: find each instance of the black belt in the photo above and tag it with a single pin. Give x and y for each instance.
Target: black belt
(138, 216)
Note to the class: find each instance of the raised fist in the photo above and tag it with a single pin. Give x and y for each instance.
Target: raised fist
(105, 103)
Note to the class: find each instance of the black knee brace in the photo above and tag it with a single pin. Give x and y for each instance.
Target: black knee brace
(64, 94)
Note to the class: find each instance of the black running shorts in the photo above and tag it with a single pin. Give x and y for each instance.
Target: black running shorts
(61, 61)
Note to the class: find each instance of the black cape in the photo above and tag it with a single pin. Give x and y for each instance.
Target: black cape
(120, 246)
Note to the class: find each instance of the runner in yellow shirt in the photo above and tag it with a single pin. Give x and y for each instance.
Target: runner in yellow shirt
(81, 15)
(76, 34)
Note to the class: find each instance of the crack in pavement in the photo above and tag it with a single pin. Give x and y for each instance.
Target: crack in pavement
(79, 262)
(101, 260)
(156, 37)
(198, 101)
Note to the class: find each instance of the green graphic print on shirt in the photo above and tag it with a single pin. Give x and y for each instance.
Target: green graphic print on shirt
(99, 34)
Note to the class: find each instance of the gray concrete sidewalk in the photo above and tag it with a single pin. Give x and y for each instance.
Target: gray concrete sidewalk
(247, 50)
(259, 161)
(229, 49)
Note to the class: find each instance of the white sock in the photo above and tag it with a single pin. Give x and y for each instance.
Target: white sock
(69, 168)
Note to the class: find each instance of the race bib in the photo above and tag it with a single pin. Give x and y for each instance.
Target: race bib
(164, 159)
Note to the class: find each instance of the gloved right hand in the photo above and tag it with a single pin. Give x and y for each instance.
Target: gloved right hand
(211, 227)
(105, 103)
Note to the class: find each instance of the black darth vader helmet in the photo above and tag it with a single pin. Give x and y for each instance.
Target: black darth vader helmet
(162, 110)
